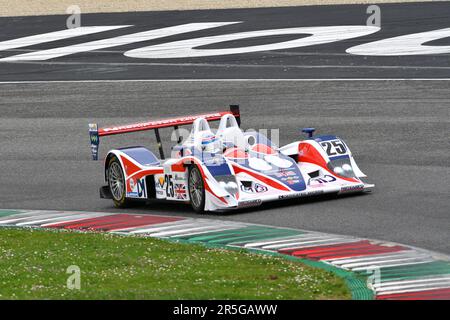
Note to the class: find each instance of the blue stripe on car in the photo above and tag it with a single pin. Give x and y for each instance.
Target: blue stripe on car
(345, 156)
(221, 169)
(141, 155)
(324, 138)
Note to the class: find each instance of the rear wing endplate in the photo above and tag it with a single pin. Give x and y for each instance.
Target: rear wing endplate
(95, 132)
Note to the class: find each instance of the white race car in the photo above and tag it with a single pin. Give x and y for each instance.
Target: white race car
(226, 169)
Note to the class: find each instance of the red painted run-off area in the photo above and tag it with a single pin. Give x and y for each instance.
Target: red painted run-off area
(337, 251)
(114, 222)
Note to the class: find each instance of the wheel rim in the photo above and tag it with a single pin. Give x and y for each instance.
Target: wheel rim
(116, 182)
(196, 188)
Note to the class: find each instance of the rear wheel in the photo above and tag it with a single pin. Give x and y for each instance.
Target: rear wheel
(196, 189)
(116, 182)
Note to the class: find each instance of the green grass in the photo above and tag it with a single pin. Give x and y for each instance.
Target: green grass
(33, 265)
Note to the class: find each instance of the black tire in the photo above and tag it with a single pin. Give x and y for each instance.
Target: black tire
(197, 191)
(118, 192)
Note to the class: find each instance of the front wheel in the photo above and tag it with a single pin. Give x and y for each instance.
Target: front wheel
(196, 189)
(116, 182)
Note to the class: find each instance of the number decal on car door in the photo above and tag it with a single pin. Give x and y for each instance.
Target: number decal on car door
(169, 186)
(334, 147)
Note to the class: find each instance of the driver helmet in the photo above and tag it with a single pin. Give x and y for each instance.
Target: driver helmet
(210, 143)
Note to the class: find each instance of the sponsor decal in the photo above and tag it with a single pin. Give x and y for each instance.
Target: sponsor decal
(290, 180)
(160, 182)
(159, 123)
(138, 189)
(180, 191)
(94, 139)
(93, 135)
(300, 195)
(320, 181)
(94, 151)
(178, 177)
(132, 183)
(358, 187)
(253, 187)
(285, 173)
(289, 196)
(159, 186)
(210, 138)
(250, 203)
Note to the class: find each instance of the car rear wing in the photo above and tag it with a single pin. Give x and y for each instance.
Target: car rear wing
(95, 132)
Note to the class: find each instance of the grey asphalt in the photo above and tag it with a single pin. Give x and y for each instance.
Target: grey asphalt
(398, 131)
(319, 61)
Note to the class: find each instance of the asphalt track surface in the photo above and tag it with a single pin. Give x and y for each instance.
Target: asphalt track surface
(398, 130)
(318, 61)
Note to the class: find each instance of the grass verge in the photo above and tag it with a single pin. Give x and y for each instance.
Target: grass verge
(33, 265)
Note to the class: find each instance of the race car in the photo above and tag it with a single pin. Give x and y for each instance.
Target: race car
(226, 169)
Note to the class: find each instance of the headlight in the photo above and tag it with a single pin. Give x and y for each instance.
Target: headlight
(347, 167)
(342, 167)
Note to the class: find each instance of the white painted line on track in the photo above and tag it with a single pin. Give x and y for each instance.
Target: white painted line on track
(415, 290)
(157, 228)
(225, 65)
(48, 217)
(114, 42)
(304, 237)
(371, 258)
(414, 287)
(303, 243)
(164, 225)
(41, 215)
(176, 225)
(222, 80)
(321, 243)
(441, 279)
(383, 261)
(55, 36)
(294, 242)
(27, 214)
(182, 226)
(198, 233)
(188, 229)
(395, 264)
(65, 219)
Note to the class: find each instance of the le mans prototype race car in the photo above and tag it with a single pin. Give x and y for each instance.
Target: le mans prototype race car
(228, 169)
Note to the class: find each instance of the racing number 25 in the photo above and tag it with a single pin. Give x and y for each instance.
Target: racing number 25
(169, 186)
(334, 147)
